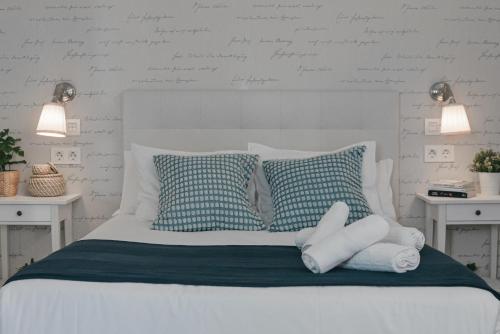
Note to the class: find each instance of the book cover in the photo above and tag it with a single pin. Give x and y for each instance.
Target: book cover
(454, 194)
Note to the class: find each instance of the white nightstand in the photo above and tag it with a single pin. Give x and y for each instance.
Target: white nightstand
(45, 211)
(462, 211)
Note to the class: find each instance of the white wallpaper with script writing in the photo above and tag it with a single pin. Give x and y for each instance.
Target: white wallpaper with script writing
(105, 47)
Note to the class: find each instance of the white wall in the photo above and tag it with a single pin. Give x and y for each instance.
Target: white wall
(104, 47)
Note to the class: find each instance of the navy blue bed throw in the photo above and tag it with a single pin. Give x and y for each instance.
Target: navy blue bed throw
(237, 266)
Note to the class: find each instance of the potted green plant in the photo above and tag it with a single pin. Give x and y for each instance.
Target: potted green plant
(9, 153)
(487, 164)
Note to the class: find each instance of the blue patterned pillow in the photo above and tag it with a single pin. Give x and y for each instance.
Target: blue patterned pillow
(302, 190)
(203, 193)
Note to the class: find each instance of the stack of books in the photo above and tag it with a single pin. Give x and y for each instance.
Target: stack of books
(452, 188)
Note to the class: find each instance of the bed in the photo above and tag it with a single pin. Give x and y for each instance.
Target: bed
(191, 120)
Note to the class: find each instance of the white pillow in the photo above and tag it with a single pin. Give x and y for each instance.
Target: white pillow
(128, 204)
(264, 201)
(149, 192)
(384, 189)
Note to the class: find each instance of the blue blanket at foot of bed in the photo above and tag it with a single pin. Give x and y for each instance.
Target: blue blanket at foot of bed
(241, 266)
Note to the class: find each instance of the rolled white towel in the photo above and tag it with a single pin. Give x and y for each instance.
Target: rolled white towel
(332, 221)
(385, 257)
(404, 236)
(343, 244)
(302, 236)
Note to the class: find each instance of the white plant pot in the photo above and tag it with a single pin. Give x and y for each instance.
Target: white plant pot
(490, 183)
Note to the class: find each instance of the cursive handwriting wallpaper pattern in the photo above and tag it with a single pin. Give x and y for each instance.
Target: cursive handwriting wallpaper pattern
(105, 47)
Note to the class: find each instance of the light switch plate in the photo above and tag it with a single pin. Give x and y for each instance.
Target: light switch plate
(73, 127)
(65, 155)
(432, 126)
(439, 153)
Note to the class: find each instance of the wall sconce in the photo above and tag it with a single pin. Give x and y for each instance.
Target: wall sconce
(52, 120)
(453, 116)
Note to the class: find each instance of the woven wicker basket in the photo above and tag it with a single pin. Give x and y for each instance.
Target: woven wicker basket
(49, 185)
(8, 183)
(44, 169)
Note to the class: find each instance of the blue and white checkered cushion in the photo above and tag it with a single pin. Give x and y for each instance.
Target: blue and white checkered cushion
(302, 190)
(203, 193)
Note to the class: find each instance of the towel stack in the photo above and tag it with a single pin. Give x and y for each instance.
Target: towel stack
(371, 243)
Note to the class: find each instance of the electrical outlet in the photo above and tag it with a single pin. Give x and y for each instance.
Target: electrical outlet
(73, 127)
(58, 155)
(432, 126)
(73, 155)
(439, 153)
(65, 155)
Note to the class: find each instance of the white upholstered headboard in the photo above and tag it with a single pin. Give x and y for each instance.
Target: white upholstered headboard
(204, 120)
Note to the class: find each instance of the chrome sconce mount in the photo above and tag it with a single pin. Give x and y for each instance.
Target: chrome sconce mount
(441, 92)
(64, 92)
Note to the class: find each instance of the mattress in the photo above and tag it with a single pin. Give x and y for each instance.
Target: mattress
(70, 307)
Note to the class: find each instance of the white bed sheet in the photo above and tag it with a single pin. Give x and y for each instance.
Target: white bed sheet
(66, 307)
(127, 228)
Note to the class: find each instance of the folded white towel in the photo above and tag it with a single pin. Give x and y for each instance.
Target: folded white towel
(332, 221)
(404, 236)
(385, 257)
(343, 244)
(302, 236)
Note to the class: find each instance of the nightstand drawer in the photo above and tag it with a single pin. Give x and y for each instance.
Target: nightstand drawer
(24, 213)
(460, 212)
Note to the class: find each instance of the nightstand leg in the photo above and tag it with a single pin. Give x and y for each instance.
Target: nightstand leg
(494, 252)
(441, 229)
(429, 225)
(55, 229)
(4, 240)
(68, 224)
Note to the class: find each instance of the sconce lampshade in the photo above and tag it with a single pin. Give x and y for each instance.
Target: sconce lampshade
(454, 119)
(52, 121)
